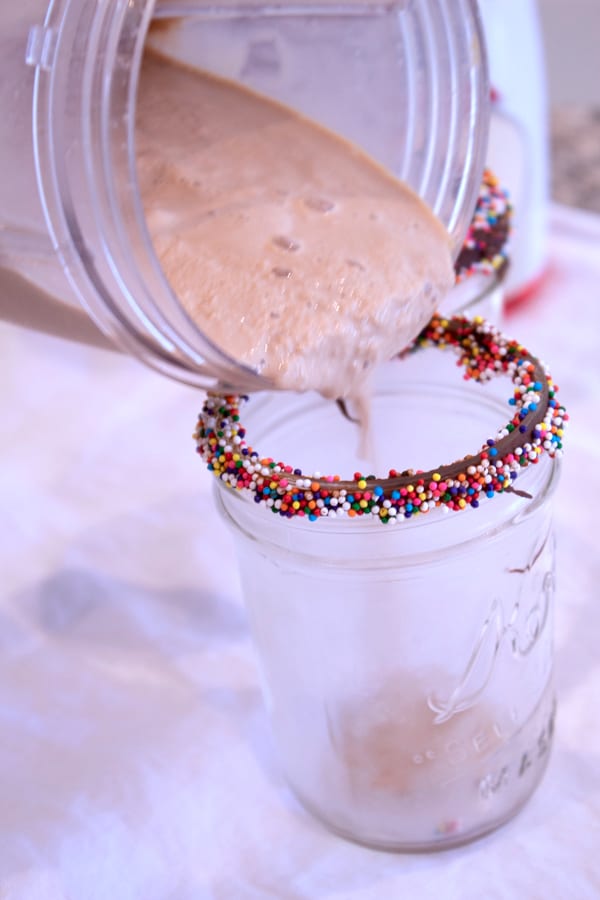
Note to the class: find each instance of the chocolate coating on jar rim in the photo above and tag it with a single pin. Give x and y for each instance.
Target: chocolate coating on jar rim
(485, 248)
(535, 428)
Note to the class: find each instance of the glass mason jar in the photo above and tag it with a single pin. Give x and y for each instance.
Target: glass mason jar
(407, 669)
(71, 217)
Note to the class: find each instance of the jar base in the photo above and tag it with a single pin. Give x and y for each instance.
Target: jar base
(436, 845)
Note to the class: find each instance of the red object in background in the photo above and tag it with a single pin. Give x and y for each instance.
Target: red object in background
(528, 293)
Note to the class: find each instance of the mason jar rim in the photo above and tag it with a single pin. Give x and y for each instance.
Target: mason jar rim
(258, 524)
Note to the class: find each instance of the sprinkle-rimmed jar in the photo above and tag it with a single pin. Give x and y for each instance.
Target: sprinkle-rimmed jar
(407, 670)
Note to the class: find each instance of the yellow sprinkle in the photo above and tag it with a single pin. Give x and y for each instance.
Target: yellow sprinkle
(363, 504)
(296, 504)
(362, 484)
(462, 503)
(436, 476)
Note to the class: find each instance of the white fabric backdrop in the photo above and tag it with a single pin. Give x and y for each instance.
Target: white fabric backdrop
(135, 755)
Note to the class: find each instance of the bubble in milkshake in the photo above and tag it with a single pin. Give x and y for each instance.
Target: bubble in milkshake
(286, 243)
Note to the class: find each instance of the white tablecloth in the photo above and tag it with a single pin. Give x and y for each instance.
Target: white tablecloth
(135, 755)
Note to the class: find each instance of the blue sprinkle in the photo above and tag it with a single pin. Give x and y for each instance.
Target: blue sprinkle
(493, 451)
(532, 407)
(489, 494)
(512, 401)
(522, 428)
(395, 495)
(378, 491)
(475, 504)
(409, 507)
(490, 442)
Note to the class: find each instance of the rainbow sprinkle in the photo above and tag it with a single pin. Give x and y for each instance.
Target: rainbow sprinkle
(450, 826)
(536, 427)
(484, 250)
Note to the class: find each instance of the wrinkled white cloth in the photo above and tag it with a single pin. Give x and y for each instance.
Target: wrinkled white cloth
(135, 756)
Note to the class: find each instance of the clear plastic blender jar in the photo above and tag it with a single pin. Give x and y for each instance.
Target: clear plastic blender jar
(405, 80)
